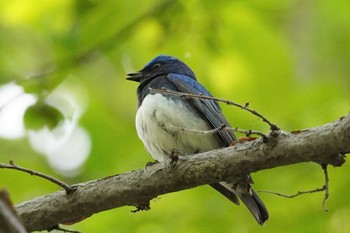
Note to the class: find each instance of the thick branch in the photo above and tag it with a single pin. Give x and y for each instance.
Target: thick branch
(324, 145)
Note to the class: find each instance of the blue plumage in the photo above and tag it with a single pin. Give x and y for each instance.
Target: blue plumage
(161, 118)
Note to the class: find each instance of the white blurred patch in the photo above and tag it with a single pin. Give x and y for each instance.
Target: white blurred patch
(68, 145)
(13, 104)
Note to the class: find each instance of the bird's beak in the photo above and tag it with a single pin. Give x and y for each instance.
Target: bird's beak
(136, 77)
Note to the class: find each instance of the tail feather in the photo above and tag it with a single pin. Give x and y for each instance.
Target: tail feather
(226, 192)
(255, 206)
(248, 196)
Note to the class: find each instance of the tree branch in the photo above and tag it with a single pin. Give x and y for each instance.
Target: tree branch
(325, 144)
(245, 107)
(324, 188)
(14, 166)
(9, 222)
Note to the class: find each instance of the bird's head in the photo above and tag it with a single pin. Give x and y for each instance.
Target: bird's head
(161, 65)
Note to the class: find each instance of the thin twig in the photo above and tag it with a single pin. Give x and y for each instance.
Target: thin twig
(324, 188)
(294, 195)
(173, 128)
(247, 132)
(273, 127)
(212, 131)
(69, 189)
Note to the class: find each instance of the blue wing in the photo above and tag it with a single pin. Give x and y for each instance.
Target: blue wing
(209, 110)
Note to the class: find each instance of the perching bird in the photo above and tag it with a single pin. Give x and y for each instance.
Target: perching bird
(162, 120)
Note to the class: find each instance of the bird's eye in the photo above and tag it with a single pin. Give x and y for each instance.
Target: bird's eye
(156, 65)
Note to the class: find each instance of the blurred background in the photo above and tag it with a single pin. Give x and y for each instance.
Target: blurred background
(67, 110)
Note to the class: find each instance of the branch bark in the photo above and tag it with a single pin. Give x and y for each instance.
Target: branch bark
(324, 144)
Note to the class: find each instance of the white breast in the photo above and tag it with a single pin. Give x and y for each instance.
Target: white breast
(160, 124)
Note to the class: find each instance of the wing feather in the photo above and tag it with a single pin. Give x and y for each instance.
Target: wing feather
(209, 110)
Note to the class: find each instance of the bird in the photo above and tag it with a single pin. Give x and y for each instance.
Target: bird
(162, 120)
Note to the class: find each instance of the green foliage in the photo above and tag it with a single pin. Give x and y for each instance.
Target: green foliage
(289, 59)
(40, 115)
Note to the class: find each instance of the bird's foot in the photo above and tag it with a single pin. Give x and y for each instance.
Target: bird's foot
(174, 156)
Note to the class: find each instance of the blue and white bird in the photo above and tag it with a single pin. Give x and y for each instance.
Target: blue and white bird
(161, 120)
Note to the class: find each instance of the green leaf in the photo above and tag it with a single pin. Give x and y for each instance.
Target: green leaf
(39, 115)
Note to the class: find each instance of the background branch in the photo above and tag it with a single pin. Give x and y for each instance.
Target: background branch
(9, 222)
(324, 145)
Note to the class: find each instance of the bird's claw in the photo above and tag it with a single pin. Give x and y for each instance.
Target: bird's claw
(174, 156)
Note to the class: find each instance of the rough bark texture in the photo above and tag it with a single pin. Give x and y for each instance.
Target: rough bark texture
(324, 144)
